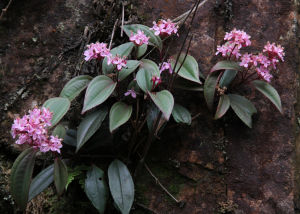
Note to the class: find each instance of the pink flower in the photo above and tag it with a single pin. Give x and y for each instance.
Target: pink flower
(130, 92)
(96, 51)
(166, 66)
(120, 62)
(238, 37)
(274, 51)
(164, 28)
(246, 60)
(139, 39)
(264, 73)
(228, 49)
(156, 81)
(263, 60)
(31, 129)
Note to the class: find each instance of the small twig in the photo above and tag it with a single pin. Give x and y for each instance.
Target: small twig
(185, 15)
(146, 208)
(123, 15)
(197, 115)
(5, 9)
(113, 33)
(160, 184)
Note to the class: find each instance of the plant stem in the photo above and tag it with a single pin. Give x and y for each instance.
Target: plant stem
(113, 34)
(5, 9)
(160, 184)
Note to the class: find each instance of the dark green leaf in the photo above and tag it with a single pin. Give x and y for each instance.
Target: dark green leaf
(60, 175)
(130, 67)
(59, 106)
(164, 101)
(118, 115)
(152, 115)
(59, 131)
(189, 69)
(20, 178)
(181, 114)
(96, 188)
(210, 88)
(226, 65)
(89, 125)
(227, 78)
(141, 50)
(223, 106)
(99, 89)
(76, 85)
(122, 50)
(243, 108)
(121, 186)
(70, 137)
(41, 182)
(154, 40)
(184, 84)
(270, 92)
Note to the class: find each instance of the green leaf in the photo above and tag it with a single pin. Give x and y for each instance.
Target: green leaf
(210, 88)
(227, 78)
(270, 92)
(150, 66)
(184, 84)
(89, 125)
(121, 186)
(59, 106)
(70, 137)
(181, 114)
(96, 188)
(154, 40)
(243, 108)
(226, 65)
(164, 101)
(122, 50)
(152, 115)
(59, 131)
(141, 50)
(60, 175)
(99, 89)
(20, 178)
(189, 69)
(130, 67)
(148, 69)
(76, 85)
(118, 115)
(223, 106)
(41, 181)
(143, 79)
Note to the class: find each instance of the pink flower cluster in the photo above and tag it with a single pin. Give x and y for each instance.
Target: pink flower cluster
(263, 63)
(139, 38)
(99, 51)
(164, 28)
(120, 62)
(31, 129)
(96, 51)
(236, 39)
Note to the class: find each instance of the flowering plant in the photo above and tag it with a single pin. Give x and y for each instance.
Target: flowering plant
(132, 95)
(130, 87)
(239, 70)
